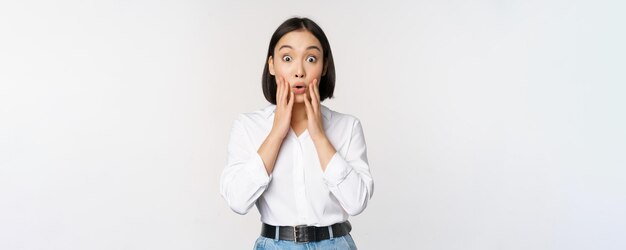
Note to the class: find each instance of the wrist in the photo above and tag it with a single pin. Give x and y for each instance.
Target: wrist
(275, 136)
(320, 139)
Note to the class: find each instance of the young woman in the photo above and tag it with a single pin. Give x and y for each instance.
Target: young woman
(302, 164)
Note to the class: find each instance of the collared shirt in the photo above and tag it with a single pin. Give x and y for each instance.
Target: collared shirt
(297, 192)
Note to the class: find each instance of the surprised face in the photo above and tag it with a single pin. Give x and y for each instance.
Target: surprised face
(298, 59)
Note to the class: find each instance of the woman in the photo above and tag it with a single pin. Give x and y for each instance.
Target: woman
(302, 164)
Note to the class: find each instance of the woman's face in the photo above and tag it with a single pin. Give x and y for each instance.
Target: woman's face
(298, 58)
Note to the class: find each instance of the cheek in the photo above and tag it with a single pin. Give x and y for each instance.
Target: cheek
(279, 69)
(316, 71)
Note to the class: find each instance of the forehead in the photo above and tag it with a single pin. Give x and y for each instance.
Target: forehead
(299, 40)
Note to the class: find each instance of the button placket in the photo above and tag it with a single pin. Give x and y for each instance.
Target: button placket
(299, 183)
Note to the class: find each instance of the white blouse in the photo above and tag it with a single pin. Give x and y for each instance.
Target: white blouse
(297, 192)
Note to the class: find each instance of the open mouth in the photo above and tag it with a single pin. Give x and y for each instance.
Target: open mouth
(298, 89)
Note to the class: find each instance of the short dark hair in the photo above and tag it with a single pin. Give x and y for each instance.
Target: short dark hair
(326, 83)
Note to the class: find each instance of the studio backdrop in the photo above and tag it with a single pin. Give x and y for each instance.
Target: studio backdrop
(489, 124)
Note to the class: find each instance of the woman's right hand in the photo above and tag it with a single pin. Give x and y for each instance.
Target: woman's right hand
(284, 105)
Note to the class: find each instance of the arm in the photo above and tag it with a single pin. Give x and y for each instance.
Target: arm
(348, 177)
(248, 173)
(245, 178)
(269, 150)
(282, 121)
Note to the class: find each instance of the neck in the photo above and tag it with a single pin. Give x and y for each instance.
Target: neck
(298, 113)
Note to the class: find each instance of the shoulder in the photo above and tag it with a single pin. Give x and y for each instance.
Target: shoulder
(339, 118)
(342, 128)
(256, 116)
(254, 123)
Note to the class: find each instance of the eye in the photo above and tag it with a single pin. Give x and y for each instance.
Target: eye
(311, 59)
(287, 58)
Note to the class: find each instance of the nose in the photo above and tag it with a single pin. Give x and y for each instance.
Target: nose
(299, 71)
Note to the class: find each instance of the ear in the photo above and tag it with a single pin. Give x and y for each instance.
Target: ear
(325, 69)
(270, 64)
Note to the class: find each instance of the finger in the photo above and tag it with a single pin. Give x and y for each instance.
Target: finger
(283, 92)
(317, 90)
(279, 87)
(291, 100)
(286, 91)
(317, 93)
(314, 102)
(308, 108)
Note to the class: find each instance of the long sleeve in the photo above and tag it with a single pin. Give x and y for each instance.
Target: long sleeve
(244, 179)
(348, 176)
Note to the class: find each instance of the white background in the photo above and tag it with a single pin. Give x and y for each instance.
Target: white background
(490, 124)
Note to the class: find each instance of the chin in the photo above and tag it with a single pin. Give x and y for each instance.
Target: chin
(299, 99)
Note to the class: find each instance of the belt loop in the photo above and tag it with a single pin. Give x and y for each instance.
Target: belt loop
(277, 236)
(330, 231)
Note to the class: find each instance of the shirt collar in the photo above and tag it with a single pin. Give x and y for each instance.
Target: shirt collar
(269, 111)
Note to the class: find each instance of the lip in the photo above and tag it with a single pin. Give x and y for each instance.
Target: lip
(299, 89)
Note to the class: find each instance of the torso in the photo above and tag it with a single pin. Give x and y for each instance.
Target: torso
(298, 193)
(299, 127)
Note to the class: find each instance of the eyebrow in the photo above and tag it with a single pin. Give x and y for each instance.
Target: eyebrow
(308, 48)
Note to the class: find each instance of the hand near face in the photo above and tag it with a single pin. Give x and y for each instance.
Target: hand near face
(284, 105)
(315, 124)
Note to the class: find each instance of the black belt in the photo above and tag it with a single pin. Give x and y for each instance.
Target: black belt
(306, 233)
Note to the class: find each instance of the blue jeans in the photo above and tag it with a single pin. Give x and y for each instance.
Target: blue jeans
(340, 243)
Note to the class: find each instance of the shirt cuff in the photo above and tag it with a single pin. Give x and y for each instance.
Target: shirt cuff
(257, 171)
(337, 170)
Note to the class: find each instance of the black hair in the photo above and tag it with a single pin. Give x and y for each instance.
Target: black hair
(326, 83)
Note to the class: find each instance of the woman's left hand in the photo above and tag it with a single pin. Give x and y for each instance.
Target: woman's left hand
(315, 124)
